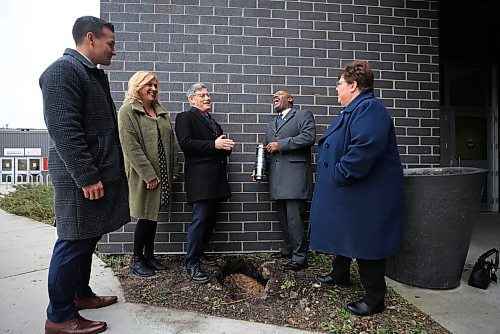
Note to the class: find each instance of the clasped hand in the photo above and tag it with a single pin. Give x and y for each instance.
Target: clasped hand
(272, 147)
(153, 183)
(93, 191)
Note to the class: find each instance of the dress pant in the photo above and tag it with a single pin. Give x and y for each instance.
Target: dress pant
(371, 273)
(69, 275)
(290, 213)
(199, 231)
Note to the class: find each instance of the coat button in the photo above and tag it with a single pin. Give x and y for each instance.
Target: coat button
(325, 164)
(327, 145)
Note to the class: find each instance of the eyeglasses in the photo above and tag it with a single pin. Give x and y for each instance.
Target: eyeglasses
(338, 83)
(203, 95)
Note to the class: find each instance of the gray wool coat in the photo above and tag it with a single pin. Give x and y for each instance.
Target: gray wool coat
(84, 148)
(290, 171)
(139, 138)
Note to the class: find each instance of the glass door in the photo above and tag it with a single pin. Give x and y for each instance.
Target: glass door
(21, 170)
(469, 123)
(35, 170)
(7, 172)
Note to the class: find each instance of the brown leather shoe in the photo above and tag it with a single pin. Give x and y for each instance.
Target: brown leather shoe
(95, 301)
(79, 325)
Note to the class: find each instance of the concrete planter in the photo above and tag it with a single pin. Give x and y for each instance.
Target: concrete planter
(442, 205)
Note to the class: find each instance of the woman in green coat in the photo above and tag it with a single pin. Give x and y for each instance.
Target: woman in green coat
(150, 152)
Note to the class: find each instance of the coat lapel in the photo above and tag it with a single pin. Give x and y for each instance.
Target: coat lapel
(345, 114)
(335, 125)
(197, 112)
(288, 116)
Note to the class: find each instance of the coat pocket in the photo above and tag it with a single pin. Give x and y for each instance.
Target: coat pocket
(297, 160)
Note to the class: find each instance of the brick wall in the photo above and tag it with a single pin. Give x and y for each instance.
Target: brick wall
(248, 49)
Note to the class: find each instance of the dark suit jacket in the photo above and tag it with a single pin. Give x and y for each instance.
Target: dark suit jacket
(290, 172)
(205, 167)
(84, 148)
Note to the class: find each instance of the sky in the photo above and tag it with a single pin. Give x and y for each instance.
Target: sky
(33, 33)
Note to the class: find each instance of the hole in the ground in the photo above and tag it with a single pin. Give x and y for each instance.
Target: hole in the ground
(241, 279)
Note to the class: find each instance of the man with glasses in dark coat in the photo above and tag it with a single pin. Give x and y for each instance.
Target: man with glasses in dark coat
(206, 149)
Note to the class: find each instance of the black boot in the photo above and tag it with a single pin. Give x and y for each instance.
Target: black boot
(139, 267)
(153, 263)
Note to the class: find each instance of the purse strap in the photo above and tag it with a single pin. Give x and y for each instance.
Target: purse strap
(489, 253)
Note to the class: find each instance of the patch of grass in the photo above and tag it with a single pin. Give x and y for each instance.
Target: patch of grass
(35, 201)
(287, 284)
(318, 259)
(330, 327)
(113, 261)
(265, 256)
(162, 296)
(335, 292)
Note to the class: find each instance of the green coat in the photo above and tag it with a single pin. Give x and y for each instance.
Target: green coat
(139, 140)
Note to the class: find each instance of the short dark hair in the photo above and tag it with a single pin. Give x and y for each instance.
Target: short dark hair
(360, 72)
(92, 24)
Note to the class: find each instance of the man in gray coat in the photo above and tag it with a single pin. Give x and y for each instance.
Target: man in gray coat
(87, 170)
(288, 141)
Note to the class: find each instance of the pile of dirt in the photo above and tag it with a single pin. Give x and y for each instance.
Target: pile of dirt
(254, 288)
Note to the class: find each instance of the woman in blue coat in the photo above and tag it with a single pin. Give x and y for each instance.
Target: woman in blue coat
(357, 205)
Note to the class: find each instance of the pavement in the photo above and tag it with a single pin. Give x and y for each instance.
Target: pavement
(26, 247)
(464, 310)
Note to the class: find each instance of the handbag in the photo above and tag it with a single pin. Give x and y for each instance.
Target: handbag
(484, 270)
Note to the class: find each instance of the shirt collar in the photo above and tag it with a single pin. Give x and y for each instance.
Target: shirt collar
(84, 56)
(284, 112)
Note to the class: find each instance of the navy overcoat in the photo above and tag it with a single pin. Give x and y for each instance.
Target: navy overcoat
(84, 148)
(358, 202)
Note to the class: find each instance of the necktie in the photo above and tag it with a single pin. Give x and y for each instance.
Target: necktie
(211, 122)
(279, 120)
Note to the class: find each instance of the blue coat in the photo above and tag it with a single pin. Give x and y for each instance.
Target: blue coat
(358, 201)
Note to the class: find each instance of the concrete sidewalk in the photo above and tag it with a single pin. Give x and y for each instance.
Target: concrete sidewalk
(25, 249)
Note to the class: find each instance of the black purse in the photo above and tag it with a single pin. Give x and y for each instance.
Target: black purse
(484, 270)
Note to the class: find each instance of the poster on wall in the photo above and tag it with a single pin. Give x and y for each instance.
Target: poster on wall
(33, 152)
(13, 152)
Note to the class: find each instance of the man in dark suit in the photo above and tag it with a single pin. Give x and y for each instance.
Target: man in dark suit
(86, 169)
(205, 149)
(288, 141)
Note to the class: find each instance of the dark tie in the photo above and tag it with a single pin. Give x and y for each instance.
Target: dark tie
(279, 120)
(211, 122)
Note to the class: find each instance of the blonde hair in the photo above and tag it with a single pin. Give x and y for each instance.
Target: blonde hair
(136, 82)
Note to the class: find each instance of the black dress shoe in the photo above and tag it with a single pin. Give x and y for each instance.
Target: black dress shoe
(328, 280)
(207, 260)
(196, 275)
(362, 309)
(279, 255)
(153, 263)
(294, 266)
